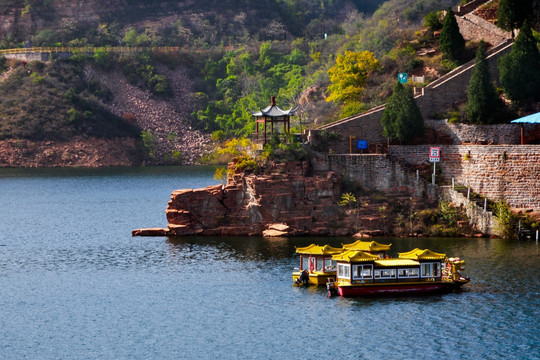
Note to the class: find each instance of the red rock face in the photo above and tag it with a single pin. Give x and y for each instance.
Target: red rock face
(251, 204)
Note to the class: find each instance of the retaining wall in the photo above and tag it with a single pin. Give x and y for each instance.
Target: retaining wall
(477, 134)
(509, 172)
(379, 172)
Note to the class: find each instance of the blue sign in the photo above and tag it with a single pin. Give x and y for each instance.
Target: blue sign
(361, 144)
(403, 78)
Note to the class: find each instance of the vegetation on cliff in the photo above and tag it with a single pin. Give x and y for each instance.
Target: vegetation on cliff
(52, 101)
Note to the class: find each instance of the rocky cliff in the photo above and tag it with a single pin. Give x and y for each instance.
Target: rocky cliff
(287, 200)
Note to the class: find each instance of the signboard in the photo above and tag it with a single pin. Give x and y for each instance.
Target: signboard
(361, 144)
(434, 154)
(403, 78)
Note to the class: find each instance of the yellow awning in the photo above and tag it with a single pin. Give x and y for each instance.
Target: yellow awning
(396, 262)
(354, 256)
(419, 254)
(369, 246)
(318, 250)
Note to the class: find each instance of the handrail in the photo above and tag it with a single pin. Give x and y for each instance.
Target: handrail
(117, 49)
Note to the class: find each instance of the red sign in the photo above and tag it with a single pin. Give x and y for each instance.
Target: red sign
(434, 154)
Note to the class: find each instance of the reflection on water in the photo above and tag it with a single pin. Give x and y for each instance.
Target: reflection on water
(75, 284)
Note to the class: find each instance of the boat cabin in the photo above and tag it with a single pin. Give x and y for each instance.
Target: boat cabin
(315, 258)
(356, 267)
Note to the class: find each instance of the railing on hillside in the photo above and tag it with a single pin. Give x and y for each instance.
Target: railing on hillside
(89, 49)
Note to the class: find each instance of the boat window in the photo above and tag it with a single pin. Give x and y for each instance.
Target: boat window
(410, 272)
(319, 264)
(385, 273)
(431, 269)
(344, 271)
(304, 263)
(362, 271)
(329, 264)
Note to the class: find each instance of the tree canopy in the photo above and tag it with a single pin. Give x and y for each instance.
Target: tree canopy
(519, 71)
(512, 13)
(481, 97)
(349, 75)
(451, 42)
(402, 119)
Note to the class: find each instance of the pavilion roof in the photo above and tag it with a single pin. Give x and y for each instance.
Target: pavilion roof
(529, 119)
(273, 110)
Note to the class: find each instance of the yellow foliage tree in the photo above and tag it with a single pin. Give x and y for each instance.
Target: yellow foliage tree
(349, 75)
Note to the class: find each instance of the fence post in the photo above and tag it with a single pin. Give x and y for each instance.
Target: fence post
(469, 193)
(485, 207)
(453, 184)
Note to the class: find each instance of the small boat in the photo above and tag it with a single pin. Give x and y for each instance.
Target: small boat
(415, 272)
(316, 265)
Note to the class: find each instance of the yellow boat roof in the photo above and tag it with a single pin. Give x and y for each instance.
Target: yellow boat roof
(419, 254)
(396, 262)
(354, 256)
(318, 250)
(366, 246)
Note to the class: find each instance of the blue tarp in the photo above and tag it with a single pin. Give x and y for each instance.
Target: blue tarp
(529, 119)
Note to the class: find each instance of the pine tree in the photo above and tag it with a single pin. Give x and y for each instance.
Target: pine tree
(402, 119)
(519, 71)
(481, 97)
(451, 42)
(512, 13)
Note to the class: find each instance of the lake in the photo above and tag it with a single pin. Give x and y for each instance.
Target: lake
(75, 284)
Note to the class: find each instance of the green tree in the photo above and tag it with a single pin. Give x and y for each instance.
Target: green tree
(481, 96)
(349, 75)
(402, 120)
(451, 42)
(519, 71)
(512, 13)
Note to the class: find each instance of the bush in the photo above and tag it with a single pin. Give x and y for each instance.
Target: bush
(507, 221)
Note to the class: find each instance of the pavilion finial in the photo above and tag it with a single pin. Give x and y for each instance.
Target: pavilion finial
(273, 101)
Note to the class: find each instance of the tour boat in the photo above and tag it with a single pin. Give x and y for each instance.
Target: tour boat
(415, 272)
(317, 266)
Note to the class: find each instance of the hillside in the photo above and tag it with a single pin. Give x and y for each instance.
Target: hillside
(231, 57)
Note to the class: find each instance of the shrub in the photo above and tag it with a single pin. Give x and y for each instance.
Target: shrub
(506, 221)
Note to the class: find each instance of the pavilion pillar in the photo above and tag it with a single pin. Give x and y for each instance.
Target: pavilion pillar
(265, 130)
(522, 134)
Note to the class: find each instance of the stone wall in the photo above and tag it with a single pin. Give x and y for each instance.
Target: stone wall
(473, 27)
(366, 126)
(483, 221)
(379, 172)
(477, 134)
(509, 172)
(470, 6)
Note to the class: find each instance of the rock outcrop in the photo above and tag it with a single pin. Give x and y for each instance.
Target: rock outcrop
(287, 200)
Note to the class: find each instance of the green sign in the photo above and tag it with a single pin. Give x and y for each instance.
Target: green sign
(403, 78)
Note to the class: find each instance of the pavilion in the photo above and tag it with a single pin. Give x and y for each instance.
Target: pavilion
(529, 119)
(273, 114)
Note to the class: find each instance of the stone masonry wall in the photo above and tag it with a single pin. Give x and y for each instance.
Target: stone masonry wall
(366, 126)
(509, 172)
(378, 172)
(473, 27)
(477, 134)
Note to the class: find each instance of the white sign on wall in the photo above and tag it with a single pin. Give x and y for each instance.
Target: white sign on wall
(434, 154)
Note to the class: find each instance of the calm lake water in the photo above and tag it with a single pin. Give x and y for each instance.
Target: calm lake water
(74, 284)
